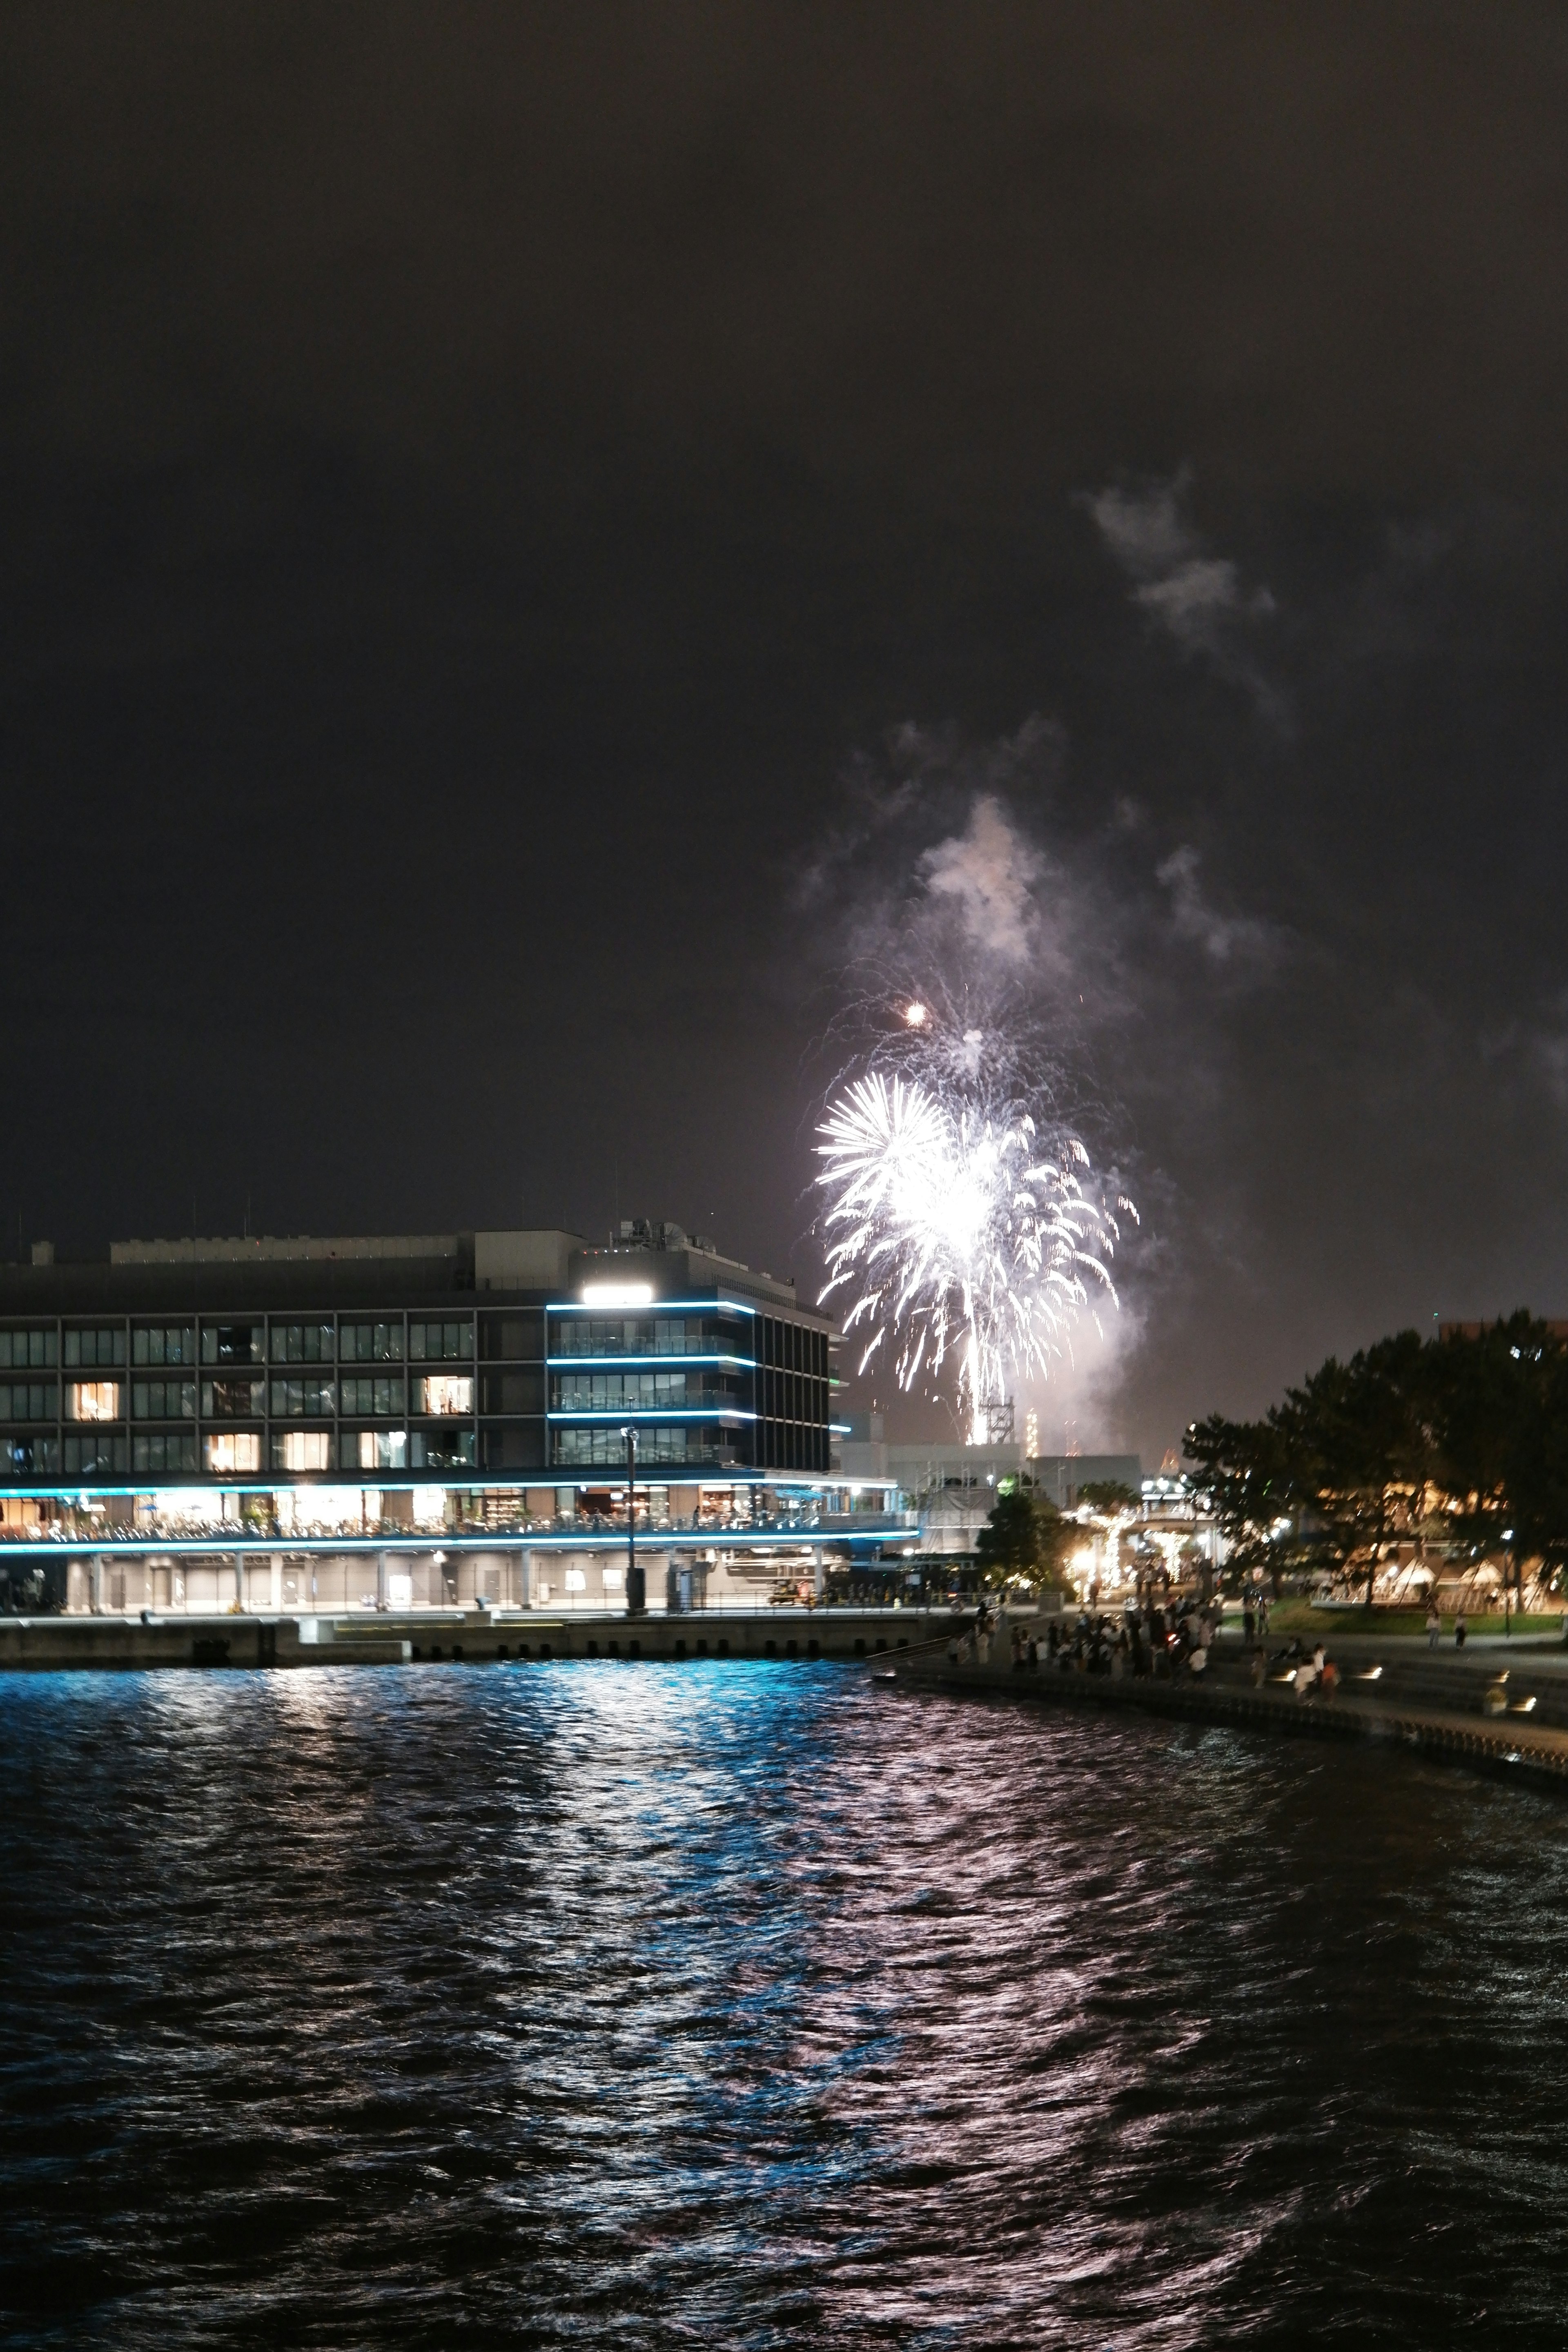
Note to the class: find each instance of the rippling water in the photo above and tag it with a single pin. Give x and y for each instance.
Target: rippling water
(740, 2005)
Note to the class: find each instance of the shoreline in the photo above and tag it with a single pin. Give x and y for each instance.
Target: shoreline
(1408, 1706)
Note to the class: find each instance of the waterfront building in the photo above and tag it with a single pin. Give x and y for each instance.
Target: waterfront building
(419, 1421)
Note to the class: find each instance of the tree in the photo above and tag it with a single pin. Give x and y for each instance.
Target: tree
(1109, 1498)
(1023, 1540)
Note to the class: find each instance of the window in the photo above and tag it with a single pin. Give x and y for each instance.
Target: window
(162, 1400)
(649, 1392)
(23, 1350)
(232, 1400)
(294, 1397)
(442, 1449)
(92, 1400)
(432, 1343)
(379, 1449)
(575, 1581)
(302, 1449)
(234, 1450)
(166, 1343)
(375, 1396)
(98, 1456)
(371, 1343)
(445, 1392)
(28, 1399)
(31, 1457)
(107, 1347)
(162, 1457)
(613, 1579)
(606, 1448)
(232, 1343)
(302, 1343)
(662, 1335)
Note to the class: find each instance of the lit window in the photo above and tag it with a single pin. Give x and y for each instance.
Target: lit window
(446, 1392)
(304, 1449)
(613, 1579)
(236, 1449)
(399, 1590)
(576, 1581)
(92, 1400)
(383, 1449)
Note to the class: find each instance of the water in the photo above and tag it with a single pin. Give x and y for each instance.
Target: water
(752, 2006)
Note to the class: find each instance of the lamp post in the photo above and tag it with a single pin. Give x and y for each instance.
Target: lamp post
(636, 1581)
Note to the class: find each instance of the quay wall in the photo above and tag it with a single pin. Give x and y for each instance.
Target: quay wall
(51, 1645)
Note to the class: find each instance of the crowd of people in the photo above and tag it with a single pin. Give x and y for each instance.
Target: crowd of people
(1161, 1638)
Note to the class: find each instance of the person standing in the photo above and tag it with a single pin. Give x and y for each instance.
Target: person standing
(1459, 1629)
(1434, 1624)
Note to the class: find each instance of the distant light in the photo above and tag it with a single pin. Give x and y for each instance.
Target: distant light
(916, 1014)
(617, 1294)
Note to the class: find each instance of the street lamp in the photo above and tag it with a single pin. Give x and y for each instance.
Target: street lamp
(637, 1580)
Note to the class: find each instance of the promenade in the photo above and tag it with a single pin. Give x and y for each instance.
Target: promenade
(1496, 1704)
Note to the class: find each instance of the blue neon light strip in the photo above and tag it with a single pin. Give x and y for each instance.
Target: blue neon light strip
(652, 1307)
(442, 1539)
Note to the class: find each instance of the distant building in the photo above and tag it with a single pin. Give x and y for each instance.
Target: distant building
(418, 1394)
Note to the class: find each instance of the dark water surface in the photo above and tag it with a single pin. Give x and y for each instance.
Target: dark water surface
(740, 2005)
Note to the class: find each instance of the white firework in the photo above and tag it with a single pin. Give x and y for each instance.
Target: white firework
(958, 1228)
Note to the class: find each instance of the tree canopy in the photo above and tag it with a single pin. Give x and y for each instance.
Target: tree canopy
(1024, 1540)
(1459, 1440)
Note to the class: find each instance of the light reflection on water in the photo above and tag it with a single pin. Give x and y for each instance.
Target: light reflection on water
(742, 2005)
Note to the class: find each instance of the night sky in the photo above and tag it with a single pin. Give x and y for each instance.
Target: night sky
(498, 504)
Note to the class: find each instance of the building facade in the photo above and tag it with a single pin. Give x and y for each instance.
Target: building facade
(370, 1419)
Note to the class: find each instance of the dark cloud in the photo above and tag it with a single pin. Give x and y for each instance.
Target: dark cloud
(471, 482)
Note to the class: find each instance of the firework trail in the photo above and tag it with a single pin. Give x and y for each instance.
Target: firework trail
(958, 1213)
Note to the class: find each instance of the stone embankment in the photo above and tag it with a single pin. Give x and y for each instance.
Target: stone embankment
(475, 1637)
(1497, 1705)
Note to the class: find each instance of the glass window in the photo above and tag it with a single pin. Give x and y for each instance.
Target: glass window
(295, 1397)
(233, 1451)
(163, 1457)
(28, 1399)
(166, 1343)
(433, 1342)
(232, 1343)
(302, 1449)
(302, 1343)
(92, 1400)
(31, 1457)
(232, 1400)
(22, 1351)
(102, 1455)
(453, 1449)
(378, 1449)
(606, 1448)
(445, 1392)
(101, 1347)
(362, 1394)
(162, 1400)
(371, 1343)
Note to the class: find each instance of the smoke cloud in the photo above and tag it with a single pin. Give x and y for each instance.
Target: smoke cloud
(1196, 598)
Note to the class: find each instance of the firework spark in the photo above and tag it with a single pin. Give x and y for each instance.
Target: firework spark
(964, 1225)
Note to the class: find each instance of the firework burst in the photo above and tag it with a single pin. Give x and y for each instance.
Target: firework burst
(962, 1223)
